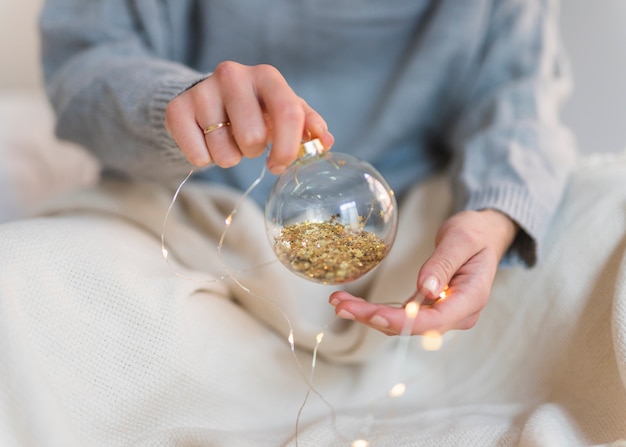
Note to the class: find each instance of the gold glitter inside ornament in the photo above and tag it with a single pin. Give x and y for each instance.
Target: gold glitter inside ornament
(330, 218)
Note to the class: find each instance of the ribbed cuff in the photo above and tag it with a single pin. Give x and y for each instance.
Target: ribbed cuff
(532, 217)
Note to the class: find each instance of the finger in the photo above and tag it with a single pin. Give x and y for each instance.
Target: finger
(208, 106)
(459, 310)
(249, 125)
(350, 307)
(455, 245)
(182, 125)
(287, 114)
(221, 144)
(387, 319)
(461, 304)
(316, 125)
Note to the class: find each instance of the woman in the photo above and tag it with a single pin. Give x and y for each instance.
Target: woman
(411, 87)
(135, 355)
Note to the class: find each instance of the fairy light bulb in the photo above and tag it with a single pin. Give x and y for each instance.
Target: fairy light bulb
(330, 218)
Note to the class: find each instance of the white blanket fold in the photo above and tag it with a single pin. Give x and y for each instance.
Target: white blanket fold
(103, 344)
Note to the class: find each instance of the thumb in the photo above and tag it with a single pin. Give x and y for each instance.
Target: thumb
(454, 247)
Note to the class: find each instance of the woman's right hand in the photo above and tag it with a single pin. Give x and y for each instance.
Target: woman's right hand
(261, 108)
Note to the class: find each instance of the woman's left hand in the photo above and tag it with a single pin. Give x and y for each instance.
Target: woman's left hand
(468, 249)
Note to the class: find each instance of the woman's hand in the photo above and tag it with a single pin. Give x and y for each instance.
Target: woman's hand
(469, 247)
(261, 108)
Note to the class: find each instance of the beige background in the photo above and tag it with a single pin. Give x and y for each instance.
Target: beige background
(19, 45)
(594, 33)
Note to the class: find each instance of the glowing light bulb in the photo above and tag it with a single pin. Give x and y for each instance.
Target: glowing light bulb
(360, 443)
(319, 337)
(290, 338)
(330, 218)
(397, 390)
(411, 309)
(432, 341)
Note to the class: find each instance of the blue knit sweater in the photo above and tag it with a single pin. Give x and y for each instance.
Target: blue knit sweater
(413, 86)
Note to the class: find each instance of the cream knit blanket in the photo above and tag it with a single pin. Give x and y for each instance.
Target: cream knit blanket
(103, 344)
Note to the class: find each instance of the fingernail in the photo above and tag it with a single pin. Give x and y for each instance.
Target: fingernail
(327, 140)
(334, 302)
(432, 285)
(278, 169)
(379, 321)
(345, 315)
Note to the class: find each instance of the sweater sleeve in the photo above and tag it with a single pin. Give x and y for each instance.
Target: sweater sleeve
(511, 152)
(110, 70)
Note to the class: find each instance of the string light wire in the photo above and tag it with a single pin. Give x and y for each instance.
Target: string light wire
(232, 276)
(411, 306)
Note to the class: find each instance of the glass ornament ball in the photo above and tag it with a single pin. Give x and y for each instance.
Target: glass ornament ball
(330, 217)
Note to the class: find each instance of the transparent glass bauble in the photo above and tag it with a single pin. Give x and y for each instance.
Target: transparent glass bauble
(330, 217)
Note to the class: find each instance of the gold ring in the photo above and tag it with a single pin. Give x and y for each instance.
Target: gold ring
(216, 126)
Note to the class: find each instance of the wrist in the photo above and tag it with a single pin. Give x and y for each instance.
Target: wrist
(502, 227)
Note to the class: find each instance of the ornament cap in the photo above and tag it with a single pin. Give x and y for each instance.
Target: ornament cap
(310, 148)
